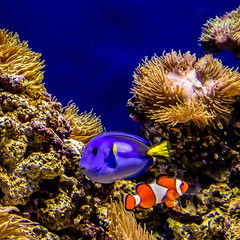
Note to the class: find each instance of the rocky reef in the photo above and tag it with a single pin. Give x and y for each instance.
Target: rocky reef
(222, 33)
(39, 155)
(193, 103)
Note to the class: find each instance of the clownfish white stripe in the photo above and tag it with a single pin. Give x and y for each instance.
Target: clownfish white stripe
(159, 192)
(137, 199)
(178, 185)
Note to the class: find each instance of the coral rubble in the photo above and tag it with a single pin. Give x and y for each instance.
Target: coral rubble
(222, 33)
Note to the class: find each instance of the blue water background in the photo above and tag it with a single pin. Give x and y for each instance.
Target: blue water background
(91, 48)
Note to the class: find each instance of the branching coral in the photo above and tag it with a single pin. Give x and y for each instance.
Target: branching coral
(14, 225)
(222, 33)
(178, 88)
(84, 125)
(20, 68)
(124, 225)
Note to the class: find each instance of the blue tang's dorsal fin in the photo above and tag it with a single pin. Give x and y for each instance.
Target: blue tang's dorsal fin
(111, 160)
(126, 135)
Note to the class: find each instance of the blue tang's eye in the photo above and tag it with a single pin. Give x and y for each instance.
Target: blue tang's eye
(95, 151)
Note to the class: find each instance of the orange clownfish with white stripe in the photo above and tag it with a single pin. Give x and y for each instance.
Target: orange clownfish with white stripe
(164, 189)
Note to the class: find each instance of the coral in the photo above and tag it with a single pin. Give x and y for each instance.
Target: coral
(123, 224)
(232, 223)
(39, 169)
(39, 160)
(59, 209)
(178, 88)
(216, 215)
(19, 67)
(194, 104)
(222, 33)
(84, 125)
(31, 147)
(12, 225)
(199, 143)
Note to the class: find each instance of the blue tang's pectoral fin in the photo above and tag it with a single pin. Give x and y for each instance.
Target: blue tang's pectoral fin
(142, 171)
(111, 160)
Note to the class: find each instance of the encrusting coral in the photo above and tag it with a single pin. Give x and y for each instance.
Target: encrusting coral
(84, 125)
(178, 88)
(222, 33)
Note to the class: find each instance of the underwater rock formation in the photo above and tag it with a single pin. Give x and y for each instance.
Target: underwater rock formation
(222, 33)
(194, 104)
(216, 215)
(39, 162)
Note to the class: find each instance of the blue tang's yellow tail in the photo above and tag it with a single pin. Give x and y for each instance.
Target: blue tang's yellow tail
(160, 150)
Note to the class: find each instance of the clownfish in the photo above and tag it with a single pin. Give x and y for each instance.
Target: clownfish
(164, 189)
(113, 156)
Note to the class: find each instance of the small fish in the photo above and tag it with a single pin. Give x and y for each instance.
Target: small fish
(164, 189)
(113, 156)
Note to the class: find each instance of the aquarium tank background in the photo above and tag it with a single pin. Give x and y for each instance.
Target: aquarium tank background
(91, 48)
(119, 120)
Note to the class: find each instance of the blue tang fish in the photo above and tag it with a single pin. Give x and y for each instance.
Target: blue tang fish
(112, 156)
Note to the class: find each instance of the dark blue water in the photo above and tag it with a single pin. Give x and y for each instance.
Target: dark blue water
(91, 48)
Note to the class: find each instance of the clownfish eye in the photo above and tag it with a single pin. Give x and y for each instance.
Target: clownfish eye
(95, 151)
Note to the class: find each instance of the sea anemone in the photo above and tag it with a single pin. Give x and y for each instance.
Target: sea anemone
(178, 88)
(84, 126)
(14, 225)
(222, 33)
(123, 224)
(20, 68)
